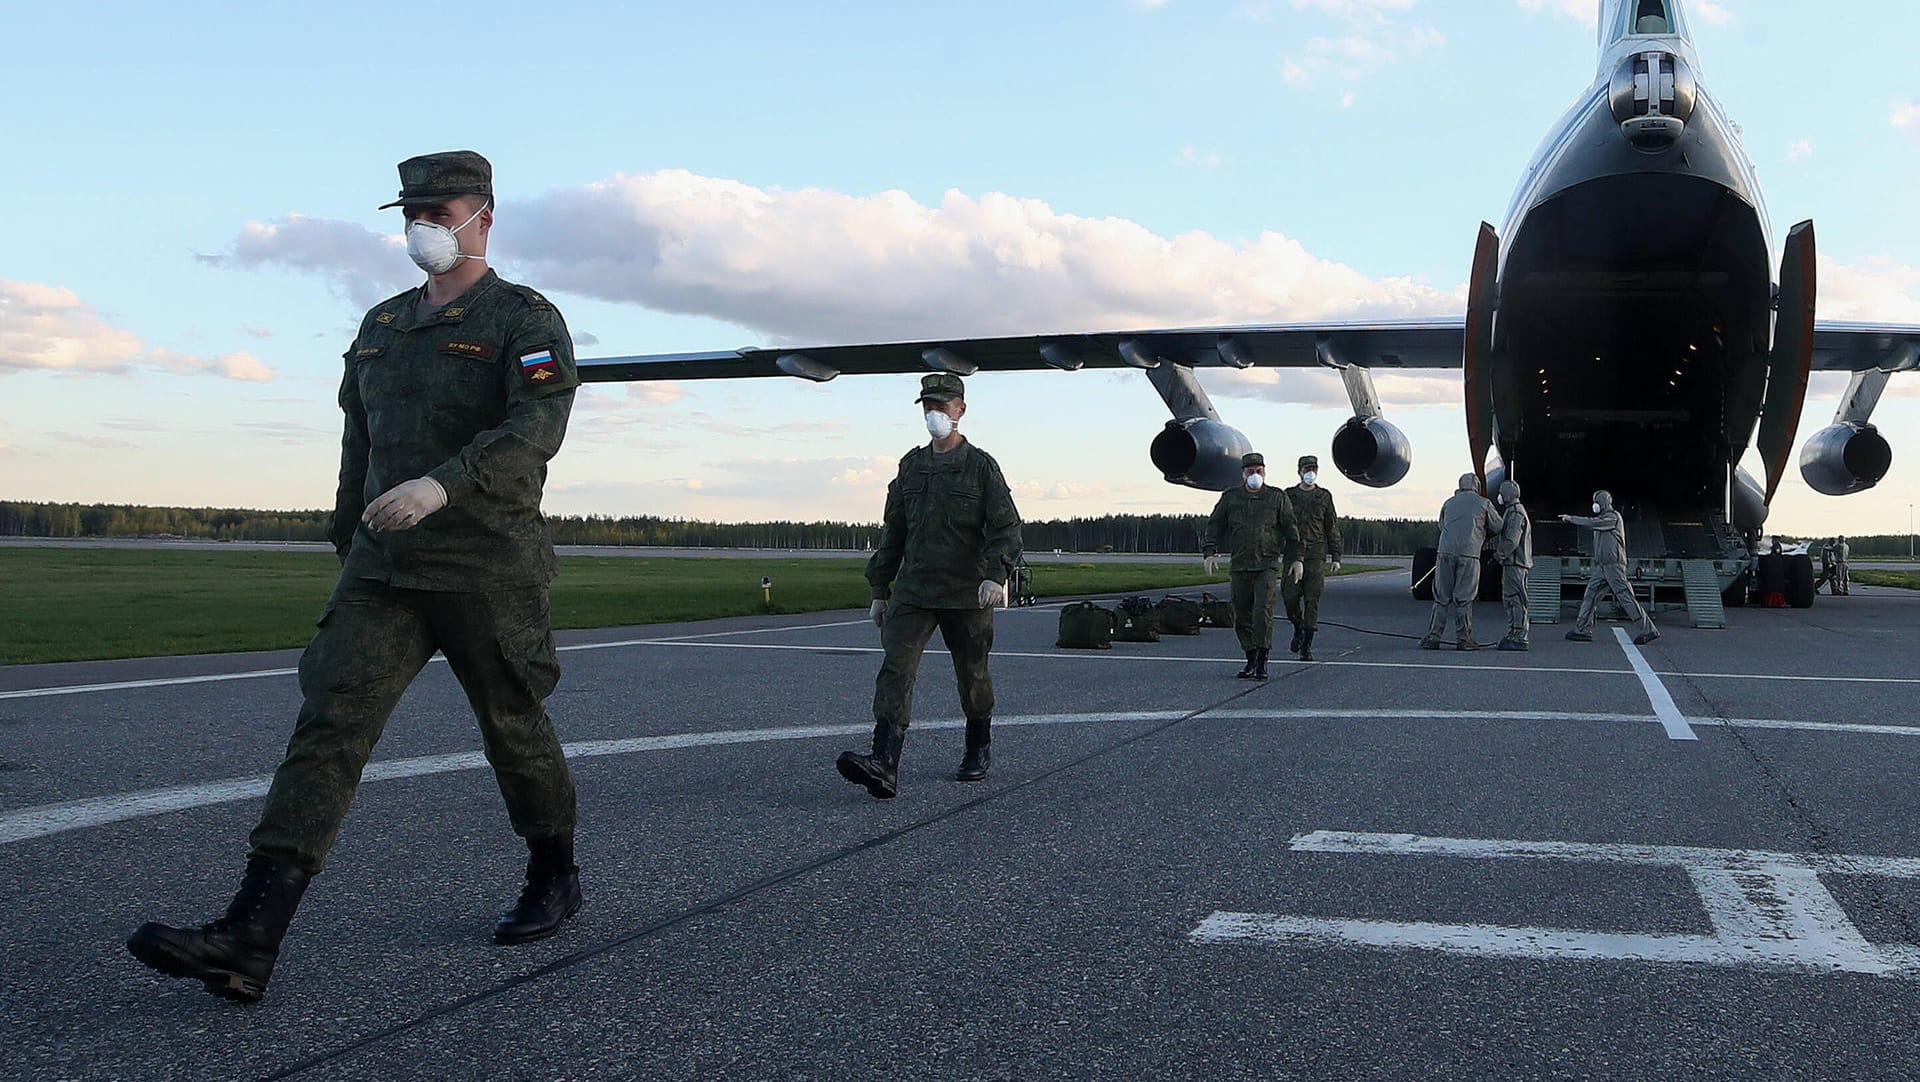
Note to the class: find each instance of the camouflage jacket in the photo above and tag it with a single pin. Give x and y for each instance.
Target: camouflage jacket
(1319, 524)
(1256, 528)
(475, 396)
(950, 524)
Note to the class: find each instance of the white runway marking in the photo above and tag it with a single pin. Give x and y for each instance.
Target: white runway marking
(45, 819)
(1663, 707)
(1768, 910)
(692, 641)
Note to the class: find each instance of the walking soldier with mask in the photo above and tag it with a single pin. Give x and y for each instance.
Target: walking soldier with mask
(1465, 521)
(1515, 550)
(1319, 526)
(1256, 525)
(949, 540)
(456, 394)
(1609, 572)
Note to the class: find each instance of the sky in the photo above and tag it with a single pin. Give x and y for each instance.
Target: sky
(188, 235)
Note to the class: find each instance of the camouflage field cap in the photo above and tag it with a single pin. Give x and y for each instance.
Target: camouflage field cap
(435, 178)
(941, 387)
(1308, 462)
(1252, 458)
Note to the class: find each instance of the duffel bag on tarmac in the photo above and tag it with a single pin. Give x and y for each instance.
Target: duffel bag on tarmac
(1136, 621)
(1179, 615)
(1085, 626)
(1218, 611)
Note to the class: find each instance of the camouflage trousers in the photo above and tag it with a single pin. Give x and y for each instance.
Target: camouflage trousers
(968, 634)
(372, 641)
(1303, 598)
(1513, 592)
(1253, 608)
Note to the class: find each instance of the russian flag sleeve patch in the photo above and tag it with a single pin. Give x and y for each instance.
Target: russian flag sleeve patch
(538, 367)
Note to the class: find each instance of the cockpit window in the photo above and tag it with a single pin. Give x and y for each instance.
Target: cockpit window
(1647, 17)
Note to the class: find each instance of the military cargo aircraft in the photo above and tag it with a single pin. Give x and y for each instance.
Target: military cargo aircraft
(1628, 300)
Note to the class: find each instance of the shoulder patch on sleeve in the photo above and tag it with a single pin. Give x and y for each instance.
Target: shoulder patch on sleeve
(539, 367)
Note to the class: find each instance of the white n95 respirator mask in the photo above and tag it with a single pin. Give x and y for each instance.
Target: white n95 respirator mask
(434, 248)
(939, 425)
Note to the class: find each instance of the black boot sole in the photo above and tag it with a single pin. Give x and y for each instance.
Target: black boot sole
(854, 769)
(169, 959)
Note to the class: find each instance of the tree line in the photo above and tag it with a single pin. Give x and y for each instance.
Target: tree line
(1103, 533)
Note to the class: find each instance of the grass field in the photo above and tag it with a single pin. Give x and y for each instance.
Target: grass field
(1906, 580)
(86, 604)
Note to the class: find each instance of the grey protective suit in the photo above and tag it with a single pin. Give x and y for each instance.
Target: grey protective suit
(1842, 571)
(1515, 550)
(1466, 520)
(1609, 567)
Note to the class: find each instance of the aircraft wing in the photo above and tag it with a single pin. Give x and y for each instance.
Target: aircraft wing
(1860, 347)
(1390, 344)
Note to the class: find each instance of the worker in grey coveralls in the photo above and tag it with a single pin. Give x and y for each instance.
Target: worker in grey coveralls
(1515, 550)
(1465, 521)
(1609, 571)
(1842, 570)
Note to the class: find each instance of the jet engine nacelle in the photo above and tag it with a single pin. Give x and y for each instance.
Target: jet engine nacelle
(1199, 453)
(1372, 452)
(1845, 458)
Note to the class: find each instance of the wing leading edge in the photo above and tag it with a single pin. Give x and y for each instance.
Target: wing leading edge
(1389, 344)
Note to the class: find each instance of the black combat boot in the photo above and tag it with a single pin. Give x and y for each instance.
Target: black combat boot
(1577, 635)
(879, 769)
(1260, 665)
(1511, 643)
(1306, 645)
(552, 893)
(1299, 636)
(234, 955)
(1253, 659)
(973, 765)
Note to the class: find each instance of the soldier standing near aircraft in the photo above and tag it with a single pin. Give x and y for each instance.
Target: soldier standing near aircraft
(1465, 521)
(456, 394)
(949, 540)
(1319, 527)
(1515, 551)
(1609, 571)
(1256, 524)
(1842, 569)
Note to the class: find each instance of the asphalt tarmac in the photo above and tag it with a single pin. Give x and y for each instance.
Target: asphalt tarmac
(1697, 859)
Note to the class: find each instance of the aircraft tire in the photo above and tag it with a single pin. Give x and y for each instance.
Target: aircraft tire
(1800, 581)
(1735, 595)
(1422, 576)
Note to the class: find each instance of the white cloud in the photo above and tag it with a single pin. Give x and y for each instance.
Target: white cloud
(50, 328)
(1374, 36)
(1800, 151)
(1586, 11)
(820, 266)
(360, 265)
(1879, 290)
(1206, 159)
(1713, 13)
(1906, 118)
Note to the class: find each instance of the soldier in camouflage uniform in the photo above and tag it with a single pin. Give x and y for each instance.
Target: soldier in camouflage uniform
(949, 539)
(1320, 545)
(1256, 525)
(456, 393)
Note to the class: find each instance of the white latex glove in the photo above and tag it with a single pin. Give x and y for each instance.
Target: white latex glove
(993, 595)
(1296, 571)
(1336, 567)
(877, 612)
(1207, 562)
(404, 505)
